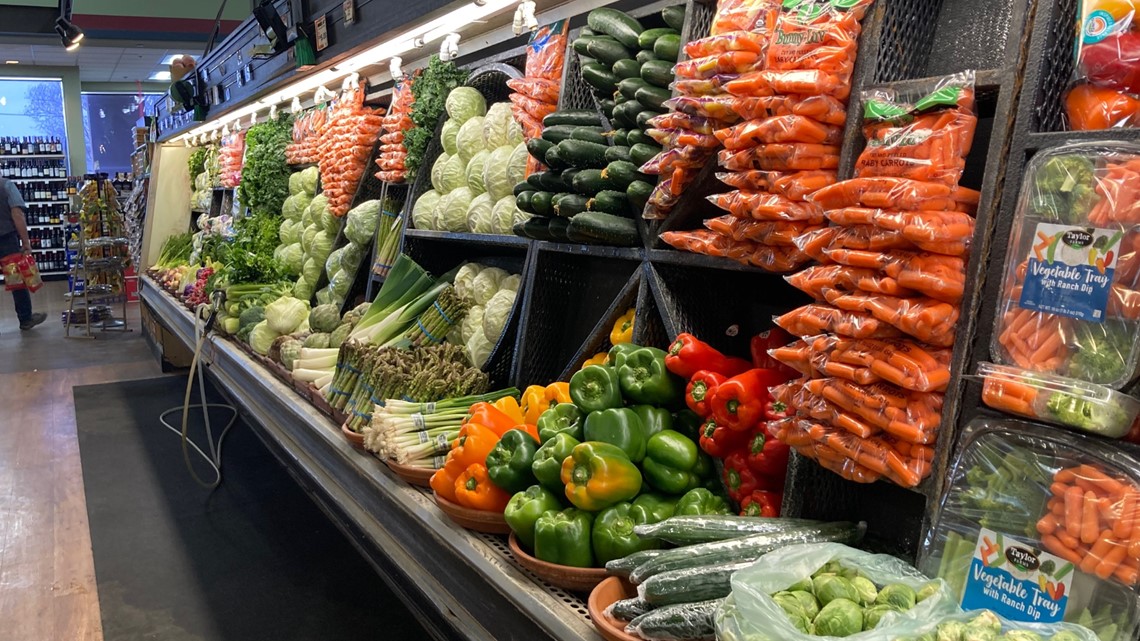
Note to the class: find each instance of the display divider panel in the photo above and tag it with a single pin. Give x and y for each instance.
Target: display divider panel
(598, 339)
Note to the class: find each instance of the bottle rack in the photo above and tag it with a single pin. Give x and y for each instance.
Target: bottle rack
(97, 275)
(40, 175)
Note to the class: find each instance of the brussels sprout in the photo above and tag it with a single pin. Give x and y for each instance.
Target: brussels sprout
(1065, 635)
(897, 594)
(789, 603)
(950, 631)
(829, 587)
(801, 623)
(839, 618)
(803, 585)
(1020, 635)
(984, 627)
(808, 603)
(927, 591)
(874, 614)
(831, 567)
(867, 590)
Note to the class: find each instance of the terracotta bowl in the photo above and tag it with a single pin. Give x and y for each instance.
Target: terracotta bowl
(563, 576)
(357, 440)
(609, 591)
(478, 520)
(412, 475)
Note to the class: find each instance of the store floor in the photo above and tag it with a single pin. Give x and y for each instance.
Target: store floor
(48, 587)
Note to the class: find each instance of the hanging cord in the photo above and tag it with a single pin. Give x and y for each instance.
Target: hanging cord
(214, 458)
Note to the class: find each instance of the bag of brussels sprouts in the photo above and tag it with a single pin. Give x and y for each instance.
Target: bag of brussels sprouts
(983, 625)
(802, 592)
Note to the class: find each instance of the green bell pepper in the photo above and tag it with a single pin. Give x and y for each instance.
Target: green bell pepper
(653, 419)
(613, 535)
(564, 417)
(524, 509)
(598, 475)
(621, 427)
(509, 462)
(673, 463)
(594, 388)
(652, 508)
(564, 538)
(619, 352)
(688, 423)
(644, 378)
(547, 466)
(700, 502)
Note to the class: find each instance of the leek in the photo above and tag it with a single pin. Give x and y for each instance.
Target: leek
(323, 381)
(405, 282)
(309, 375)
(326, 363)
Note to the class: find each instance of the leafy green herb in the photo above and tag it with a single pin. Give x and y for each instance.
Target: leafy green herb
(197, 162)
(430, 92)
(250, 255)
(265, 175)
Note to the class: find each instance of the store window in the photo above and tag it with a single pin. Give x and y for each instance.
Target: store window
(109, 121)
(32, 107)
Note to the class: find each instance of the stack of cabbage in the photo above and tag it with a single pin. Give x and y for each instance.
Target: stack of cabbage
(289, 254)
(342, 264)
(202, 194)
(324, 329)
(483, 158)
(491, 292)
(283, 316)
(319, 229)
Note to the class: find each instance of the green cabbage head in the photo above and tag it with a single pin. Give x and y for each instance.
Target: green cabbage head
(470, 138)
(303, 288)
(474, 171)
(423, 212)
(285, 314)
(261, 337)
(309, 178)
(292, 258)
(362, 222)
(496, 125)
(503, 215)
(464, 103)
(322, 246)
(452, 210)
(447, 136)
(495, 314)
(453, 175)
(479, 214)
(496, 173)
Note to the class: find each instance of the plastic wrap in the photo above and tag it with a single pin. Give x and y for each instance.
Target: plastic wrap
(546, 52)
(731, 62)
(937, 231)
(793, 186)
(817, 278)
(677, 120)
(693, 529)
(775, 259)
(868, 361)
(1061, 401)
(1039, 491)
(682, 137)
(752, 613)
(744, 15)
(759, 205)
(789, 128)
(896, 193)
(628, 609)
(670, 160)
(1067, 303)
(825, 109)
(685, 622)
(936, 275)
(761, 231)
(968, 626)
(702, 86)
(781, 157)
(623, 566)
(907, 415)
(814, 318)
(856, 237)
(742, 40)
(1107, 73)
(718, 107)
(690, 584)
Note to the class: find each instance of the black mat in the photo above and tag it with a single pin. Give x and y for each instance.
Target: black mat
(255, 559)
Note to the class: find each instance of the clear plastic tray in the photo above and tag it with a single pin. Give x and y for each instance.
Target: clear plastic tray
(1002, 489)
(1070, 297)
(1058, 400)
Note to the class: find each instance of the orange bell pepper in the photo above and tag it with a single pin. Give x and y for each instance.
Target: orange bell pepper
(475, 490)
(509, 406)
(537, 399)
(443, 481)
(597, 359)
(491, 417)
(529, 428)
(475, 442)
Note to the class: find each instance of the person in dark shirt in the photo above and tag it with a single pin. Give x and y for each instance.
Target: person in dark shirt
(14, 240)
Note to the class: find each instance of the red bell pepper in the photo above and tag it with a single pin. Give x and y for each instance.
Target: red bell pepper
(739, 402)
(762, 503)
(689, 355)
(769, 340)
(738, 479)
(1114, 62)
(776, 410)
(700, 391)
(768, 458)
(720, 441)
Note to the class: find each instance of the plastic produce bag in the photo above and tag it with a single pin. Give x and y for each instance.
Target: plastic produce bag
(966, 626)
(1067, 294)
(941, 232)
(1108, 66)
(824, 109)
(752, 614)
(869, 361)
(685, 622)
(1026, 493)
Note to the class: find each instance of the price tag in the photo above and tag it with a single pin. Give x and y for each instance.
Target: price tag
(322, 30)
(349, 12)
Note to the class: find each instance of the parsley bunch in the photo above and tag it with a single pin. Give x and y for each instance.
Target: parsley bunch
(430, 96)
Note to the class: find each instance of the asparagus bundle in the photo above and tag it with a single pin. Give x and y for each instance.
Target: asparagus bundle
(437, 320)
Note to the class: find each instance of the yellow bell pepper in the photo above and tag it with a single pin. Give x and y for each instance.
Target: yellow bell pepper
(597, 359)
(509, 406)
(537, 399)
(623, 328)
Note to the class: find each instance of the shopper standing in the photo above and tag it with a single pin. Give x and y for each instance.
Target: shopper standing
(13, 240)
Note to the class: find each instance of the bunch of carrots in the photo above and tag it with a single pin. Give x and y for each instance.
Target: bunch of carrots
(346, 143)
(736, 45)
(1094, 523)
(875, 346)
(790, 108)
(397, 121)
(305, 148)
(535, 95)
(230, 159)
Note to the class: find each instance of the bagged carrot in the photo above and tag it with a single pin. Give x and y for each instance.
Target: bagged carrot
(677, 120)
(791, 185)
(702, 241)
(942, 232)
(754, 41)
(777, 259)
(779, 129)
(813, 46)
(731, 62)
(910, 416)
(814, 280)
(857, 237)
(546, 52)
(938, 276)
(759, 205)
(896, 193)
(743, 15)
(767, 232)
(676, 158)
(923, 134)
(822, 108)
(718, 106)
(533, 108)
(781, 157)
(682, 137)
(695, 87)
(539, 89)
(817, 318)
(929, 320)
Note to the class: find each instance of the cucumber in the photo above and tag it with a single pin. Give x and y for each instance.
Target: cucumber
(693, 621)
(586, 31)
(622, 173)
(558, 227)
(619, 137)
(536, 227)
(603, 229)
(644, 56)
(582, 154)
(609, 202)
(586, 60)
(590, 134)
(641, 153)
(606, 50)
(638, 193)
(540, 204)
(649, 36)
(599, 76)
(557, 133)
(546, 181)
(637, 136)
(569, 205)
(607, 107)
(522, 187)
(652, 97)
(644, 116)
(522, 201)
(590, 181)
(625, 114)
(674, 16)
(617, 24)
(748, 548)
(538, 148)
(657, 73)
(690, 585)
(667, 48)
(630, 609)
(627, 68)
(630, 86)
(577, 117)
(690, 530)
(617, 152)
(554, 160)
(581, 44)
(622, 567)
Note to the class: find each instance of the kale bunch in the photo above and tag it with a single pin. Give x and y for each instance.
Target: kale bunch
(265, 175)
(430, 96)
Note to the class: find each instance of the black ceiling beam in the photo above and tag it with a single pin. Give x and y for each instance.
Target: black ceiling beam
(22, 20)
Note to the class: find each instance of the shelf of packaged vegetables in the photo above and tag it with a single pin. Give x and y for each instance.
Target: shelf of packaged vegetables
(425, 557)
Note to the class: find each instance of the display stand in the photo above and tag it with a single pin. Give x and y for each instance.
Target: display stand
(98, 272)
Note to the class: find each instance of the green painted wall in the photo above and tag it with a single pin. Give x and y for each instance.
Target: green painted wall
(72, 108)
(235, 9)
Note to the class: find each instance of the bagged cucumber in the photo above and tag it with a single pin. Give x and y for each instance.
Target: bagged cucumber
(690, 585)
(628, 609)
(683, 622)
(690, 530)
(623, 566)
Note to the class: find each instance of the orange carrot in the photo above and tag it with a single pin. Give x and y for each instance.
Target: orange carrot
(1047, 524)
(1067, 475)
(1073, 500)
(1107, 484)
(1090, 519)
(1070, 541)
(1125, 523)
(1054, 545)
(1104, 545)
(1112, 560)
